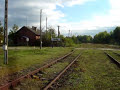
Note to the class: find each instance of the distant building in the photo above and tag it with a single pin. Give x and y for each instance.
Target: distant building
(27, 35)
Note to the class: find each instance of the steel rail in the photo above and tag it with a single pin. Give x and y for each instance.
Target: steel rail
(116, 53)
(113, 59)
(61, 73)
(18, 80)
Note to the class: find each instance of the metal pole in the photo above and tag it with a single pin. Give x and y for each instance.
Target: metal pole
(6, 33)
(69, 34)
(46, 25)
(51, 38)
(58, 31)
(58, 35)
(40, 29)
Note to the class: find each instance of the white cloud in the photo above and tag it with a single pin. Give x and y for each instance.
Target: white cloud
(98, 22)
(19, 9)
(76, 2)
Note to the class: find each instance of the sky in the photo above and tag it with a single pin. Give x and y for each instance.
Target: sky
(81, 17)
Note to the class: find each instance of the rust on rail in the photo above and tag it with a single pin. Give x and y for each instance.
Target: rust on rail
(18, 80)
(113, 59)
(116, 53)
(60, 74)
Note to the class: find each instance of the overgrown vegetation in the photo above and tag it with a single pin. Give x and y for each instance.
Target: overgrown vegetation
(97, 46)
(115, 56)
(47, 74)
(12, 34)
(24, 58)
(94, 71)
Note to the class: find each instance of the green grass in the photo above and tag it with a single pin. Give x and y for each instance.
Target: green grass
(90, 45)
(115, 56)
(48, 74)
(117, 52)
(93, 72)
(20, 59)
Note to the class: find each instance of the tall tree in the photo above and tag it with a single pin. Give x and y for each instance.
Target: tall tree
(116, 35)
(102, 37)
(14, 29)
(84, 39)
(48, 35)
(12, 34)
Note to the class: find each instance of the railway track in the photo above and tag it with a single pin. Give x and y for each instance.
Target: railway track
(113, 59)
(61, 73)
(116, 53)
(15, 82)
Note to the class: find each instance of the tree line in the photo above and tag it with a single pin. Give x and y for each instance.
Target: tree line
(105, 37)
(108, 38)
(101, 38)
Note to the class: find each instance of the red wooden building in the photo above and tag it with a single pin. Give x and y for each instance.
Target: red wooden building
(26, 35)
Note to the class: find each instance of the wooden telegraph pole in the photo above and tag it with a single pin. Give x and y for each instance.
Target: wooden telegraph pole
(46, 25)
(40, 29)
(5, 47)
(46, 29)
(58, 35)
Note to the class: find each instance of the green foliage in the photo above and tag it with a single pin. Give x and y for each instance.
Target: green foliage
(25, 57)
(46, 38)
(14, 29)
(75, 39)
(108, 38)
(116, 35)
(12, 34)
(69, 42)
(102, 37)
(93, 71)
(84, 39)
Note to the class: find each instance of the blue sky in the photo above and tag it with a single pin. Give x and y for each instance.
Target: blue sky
(86, 11)
(80, 16)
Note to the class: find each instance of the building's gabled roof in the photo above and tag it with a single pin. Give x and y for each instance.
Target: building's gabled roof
(37, 32)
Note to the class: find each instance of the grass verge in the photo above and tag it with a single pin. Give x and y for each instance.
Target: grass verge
(46, 75)
(20, 59)
(91, 45)
(115, 56)
(94, 72)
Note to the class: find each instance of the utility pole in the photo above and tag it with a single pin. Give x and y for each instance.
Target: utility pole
(5, 47)
(46, 25)
(40, 29)
(58, 35)
(69, 33)
(51, 38)
(58, 31)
